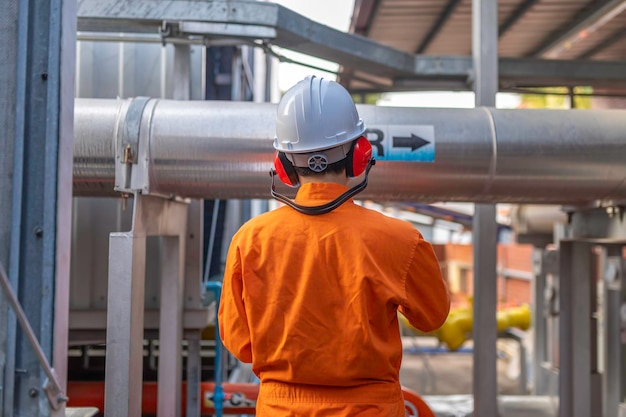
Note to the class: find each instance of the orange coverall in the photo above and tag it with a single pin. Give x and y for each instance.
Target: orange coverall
(312, 301)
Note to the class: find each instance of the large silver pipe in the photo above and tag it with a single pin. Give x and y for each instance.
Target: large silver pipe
(214, 149)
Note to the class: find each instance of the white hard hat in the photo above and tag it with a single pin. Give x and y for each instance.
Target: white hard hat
(314, 115)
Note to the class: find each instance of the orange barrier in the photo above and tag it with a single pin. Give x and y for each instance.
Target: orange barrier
(239, 398)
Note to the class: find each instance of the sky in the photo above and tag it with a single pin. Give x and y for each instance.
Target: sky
(333, 13)
(337, 14)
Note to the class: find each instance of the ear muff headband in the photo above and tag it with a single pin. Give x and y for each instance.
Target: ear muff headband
(323, 208)
(359, 157)
(285, 170)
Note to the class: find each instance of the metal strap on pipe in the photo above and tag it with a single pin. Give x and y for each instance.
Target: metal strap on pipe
(128, 142)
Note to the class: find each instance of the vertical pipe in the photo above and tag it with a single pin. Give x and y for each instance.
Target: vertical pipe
(485, 60)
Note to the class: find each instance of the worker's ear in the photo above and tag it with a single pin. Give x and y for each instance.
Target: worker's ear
(285, 170)
(359, 157)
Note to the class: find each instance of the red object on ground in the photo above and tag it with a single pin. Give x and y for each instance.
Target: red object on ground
(412, 398)
(91, 394)
(240, 398)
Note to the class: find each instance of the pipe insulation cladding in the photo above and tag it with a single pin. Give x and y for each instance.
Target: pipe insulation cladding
(223, 149)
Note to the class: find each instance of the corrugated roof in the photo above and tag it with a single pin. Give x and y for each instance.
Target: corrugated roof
(547, 29)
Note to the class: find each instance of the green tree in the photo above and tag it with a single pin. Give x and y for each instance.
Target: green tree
(557, 98)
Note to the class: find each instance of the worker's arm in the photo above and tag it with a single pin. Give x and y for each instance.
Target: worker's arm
(427, 297)
(233, 322)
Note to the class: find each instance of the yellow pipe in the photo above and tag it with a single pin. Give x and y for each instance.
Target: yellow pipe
(458, 326)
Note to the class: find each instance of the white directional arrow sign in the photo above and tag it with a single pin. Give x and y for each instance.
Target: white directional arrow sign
(402, 142)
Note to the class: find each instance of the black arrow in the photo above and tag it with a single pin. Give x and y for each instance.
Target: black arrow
(414, 142)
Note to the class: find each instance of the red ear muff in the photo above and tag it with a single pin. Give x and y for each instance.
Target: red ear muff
(285, 170)
(359, 157)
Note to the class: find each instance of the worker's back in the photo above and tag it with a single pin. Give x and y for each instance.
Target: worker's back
(321, 295)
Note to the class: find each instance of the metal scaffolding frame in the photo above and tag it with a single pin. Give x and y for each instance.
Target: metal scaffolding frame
(270, 24)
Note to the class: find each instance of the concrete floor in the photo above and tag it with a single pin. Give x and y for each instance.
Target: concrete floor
(444, 380)
(449, 373)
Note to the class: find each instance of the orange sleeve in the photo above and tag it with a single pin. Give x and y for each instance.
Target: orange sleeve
(427, 299)
(233, 322)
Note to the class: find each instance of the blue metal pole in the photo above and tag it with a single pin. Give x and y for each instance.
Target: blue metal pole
(218, 395)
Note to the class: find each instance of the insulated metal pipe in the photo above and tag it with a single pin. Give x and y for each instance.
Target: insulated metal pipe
(214, 149)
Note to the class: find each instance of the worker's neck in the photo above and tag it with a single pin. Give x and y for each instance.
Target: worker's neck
(326, 178)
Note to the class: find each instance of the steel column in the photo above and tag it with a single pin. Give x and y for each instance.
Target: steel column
(124, 352)
(193, 300)
(485, 386)
(194, 373)
(172, 260)
(485, 230)
(152, 216)
(8, 82)
(64, 189)
(580, 384)
(544, 262)
(614, 331)
(182, 72)
(36, 96)
(538, 287)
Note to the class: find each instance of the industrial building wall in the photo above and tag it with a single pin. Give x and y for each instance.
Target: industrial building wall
(514, 272)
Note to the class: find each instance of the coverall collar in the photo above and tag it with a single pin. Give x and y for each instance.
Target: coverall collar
(319, 192)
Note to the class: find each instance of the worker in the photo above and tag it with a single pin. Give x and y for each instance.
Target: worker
(312, 289)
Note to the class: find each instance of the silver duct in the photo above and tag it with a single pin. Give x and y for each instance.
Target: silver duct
(211, 149)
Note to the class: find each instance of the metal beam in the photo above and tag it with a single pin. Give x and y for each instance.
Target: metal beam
(441, 20)
(351, 51)
(514, 17)
(606, 43)
(519, 71)
(293, 31)
(364, 12)
(360, 24)
(580, 28)
(452, 72)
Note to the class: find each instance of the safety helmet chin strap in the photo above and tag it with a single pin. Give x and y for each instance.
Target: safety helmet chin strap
(327, 207)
